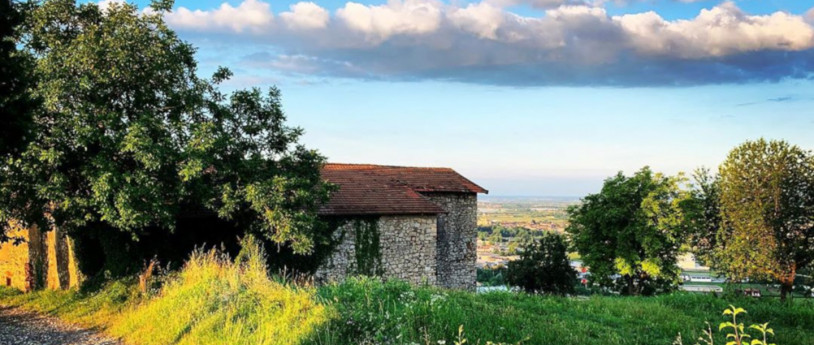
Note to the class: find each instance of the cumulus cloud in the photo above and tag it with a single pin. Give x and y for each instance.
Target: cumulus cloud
(720, 31)
(395, 18)
(542, 3)
(253, 15)
(485, 43)
(306, 15)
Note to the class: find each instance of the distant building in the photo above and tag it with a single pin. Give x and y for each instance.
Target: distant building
(424, 221)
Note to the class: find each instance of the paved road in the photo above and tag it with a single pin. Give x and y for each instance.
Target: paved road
(19, 327)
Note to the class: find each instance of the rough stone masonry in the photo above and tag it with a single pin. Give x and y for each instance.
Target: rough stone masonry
(424, 222)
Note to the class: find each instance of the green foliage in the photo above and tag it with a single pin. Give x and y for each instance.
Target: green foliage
(543, 267)
(491, 276)
(634, 227)
(767, 208)
(739, 334)
(16, 102)
(129, 136)
(704, 218)
(367, 248)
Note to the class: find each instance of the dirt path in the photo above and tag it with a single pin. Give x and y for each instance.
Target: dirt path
(18, 327)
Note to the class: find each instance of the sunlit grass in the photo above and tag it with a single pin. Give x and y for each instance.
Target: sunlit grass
(212, 300)
(373, 312)
(215, 300)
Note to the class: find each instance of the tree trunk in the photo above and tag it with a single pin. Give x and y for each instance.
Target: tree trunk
(787, 283)
(631, 288)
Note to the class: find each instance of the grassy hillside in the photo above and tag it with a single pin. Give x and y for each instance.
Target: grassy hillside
(371, 312)
(216, 301)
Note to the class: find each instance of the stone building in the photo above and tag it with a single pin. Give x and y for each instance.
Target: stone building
(408, 223)
(414, 224)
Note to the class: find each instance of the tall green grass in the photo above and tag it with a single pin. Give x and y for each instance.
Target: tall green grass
(212, 300)
(373, 312)
(215, 300)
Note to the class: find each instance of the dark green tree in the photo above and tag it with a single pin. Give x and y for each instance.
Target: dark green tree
(16, 102)
(543, 267)
(130, 137)
(767, 210)
(704, 218)
(633, 227)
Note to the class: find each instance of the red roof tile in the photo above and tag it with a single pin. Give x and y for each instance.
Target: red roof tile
(366, 189)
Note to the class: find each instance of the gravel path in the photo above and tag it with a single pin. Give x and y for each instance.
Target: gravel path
(18, 327)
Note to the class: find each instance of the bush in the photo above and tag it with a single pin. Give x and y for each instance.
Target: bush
(492, 276)
(544, 267)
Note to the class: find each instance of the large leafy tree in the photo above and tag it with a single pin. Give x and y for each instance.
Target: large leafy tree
(16, 102)
(634, 228)
(543, 267)
(130, 137)
(767, 210)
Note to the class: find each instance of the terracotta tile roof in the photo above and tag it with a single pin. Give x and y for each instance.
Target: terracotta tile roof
(366, 189)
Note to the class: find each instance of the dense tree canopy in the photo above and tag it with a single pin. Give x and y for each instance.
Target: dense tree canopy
(633, 227)
(130, 136)
(543, 267)
(767, 211)
(16, 103)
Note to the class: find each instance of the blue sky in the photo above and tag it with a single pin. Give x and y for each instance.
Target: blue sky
(525, 97)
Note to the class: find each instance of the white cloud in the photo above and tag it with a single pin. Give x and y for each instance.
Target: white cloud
(306, 15)
(541, 3)
(105, 4)
(378, 22)
(482, 19)
(722, 30)
(251, 15)
(483, 41)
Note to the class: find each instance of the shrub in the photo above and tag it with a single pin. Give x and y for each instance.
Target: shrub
(543, 267)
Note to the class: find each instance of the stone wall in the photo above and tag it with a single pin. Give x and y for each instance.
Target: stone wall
(15, 270)
(407, 249)
(457, 239)
(43, 259)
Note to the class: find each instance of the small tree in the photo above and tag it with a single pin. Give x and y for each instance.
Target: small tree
(704, 218)
(767, 211)
(634, 228)
(543, 267)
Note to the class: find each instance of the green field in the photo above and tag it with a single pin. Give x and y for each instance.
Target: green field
(530, 214)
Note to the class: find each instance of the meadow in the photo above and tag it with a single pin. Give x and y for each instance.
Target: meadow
(216, 300)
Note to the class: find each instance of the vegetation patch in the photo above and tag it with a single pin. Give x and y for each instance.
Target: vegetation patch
(367, 246)
(212, 300)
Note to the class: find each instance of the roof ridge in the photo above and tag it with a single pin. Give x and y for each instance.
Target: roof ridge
(388, 166)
